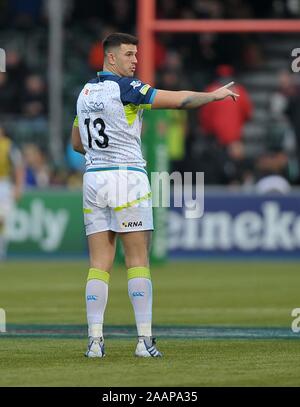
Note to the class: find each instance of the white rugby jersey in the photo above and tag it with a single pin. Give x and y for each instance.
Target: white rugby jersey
(109, 111)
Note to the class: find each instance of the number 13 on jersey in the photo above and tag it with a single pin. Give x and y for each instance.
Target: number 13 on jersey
(103, 141)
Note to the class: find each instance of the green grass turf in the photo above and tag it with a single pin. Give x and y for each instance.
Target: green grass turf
(44, 362)
(215, 293)
(206, 293)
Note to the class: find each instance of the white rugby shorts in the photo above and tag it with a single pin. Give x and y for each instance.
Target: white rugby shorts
(117, 199)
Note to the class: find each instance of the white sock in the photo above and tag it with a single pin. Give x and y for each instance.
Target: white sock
(140, 294)
(96, 300)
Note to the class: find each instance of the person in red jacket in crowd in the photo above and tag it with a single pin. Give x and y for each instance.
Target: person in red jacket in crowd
(224, 160)
(224, 120)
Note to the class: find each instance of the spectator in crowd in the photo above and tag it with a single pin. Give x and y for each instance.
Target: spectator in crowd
(160, 53)
(122, 14)
(261, 8)
(25, 13)
(271, 179)
(208, 8)
(287, 89)
(80, 11)
(221, 166)
(3, 13)
(34, 109)
(11, 82)
(284, 8)
(8, 96)
(273, 184)
(251, 57)
(16, 71)
(59, 177)
(284, 125)
(237, 9)
(225, 121)
(292, 112)
(34, 101)
(16, 67)
(206, 45)
(237, 167)
(274, 160)
(37, 172)
(168, 9)
(223, 157)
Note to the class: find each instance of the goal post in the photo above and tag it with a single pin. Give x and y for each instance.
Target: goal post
(148, 25)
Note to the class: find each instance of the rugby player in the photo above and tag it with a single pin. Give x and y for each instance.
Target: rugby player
(116, 190)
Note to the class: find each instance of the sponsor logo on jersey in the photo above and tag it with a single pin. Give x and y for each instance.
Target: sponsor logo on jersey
(135, 84)
(91, 110)
(132, 224)
(95, 90)
(99, 106)
(88, 91)
(144, 89)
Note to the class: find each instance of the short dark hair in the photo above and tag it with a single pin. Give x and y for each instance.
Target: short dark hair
(116, 39)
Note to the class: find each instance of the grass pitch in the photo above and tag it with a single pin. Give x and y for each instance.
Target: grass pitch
(211, 294)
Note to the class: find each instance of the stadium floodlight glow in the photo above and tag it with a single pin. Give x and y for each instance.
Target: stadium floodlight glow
(148, 25)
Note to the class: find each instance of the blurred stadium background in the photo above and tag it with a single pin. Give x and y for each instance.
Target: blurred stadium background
(249, 152)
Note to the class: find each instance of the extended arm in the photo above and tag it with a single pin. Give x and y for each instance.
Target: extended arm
(190, 100)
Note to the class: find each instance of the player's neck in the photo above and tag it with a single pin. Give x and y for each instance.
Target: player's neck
(111, 69)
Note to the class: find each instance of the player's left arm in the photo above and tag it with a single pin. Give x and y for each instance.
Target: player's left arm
(186, 99)
(141, 94)
(76, 140)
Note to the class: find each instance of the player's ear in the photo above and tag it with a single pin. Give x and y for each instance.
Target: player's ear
(111, 59)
